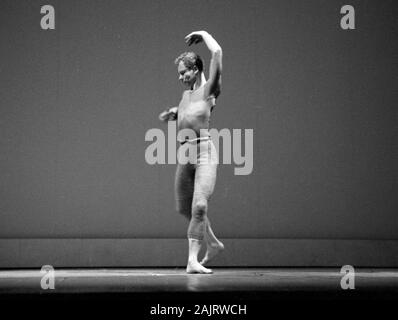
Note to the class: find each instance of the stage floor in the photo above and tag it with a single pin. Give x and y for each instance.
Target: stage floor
(143, 293)
(223, 280)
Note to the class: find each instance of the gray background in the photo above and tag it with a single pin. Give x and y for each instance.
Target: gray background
(76, 103)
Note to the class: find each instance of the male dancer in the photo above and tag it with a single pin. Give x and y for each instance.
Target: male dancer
(194, 182)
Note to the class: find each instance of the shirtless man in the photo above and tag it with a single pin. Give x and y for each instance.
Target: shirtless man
(194, 182)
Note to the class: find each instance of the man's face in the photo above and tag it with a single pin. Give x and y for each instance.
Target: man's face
(186, 76)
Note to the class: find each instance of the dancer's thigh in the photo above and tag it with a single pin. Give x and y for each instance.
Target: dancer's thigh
(184, 187)
(206, 172)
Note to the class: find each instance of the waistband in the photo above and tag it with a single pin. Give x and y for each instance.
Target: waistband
(194, 140)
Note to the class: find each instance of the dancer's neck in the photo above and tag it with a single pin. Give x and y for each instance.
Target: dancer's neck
(200, 82)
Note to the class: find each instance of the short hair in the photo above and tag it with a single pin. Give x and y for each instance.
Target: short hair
(190, 59)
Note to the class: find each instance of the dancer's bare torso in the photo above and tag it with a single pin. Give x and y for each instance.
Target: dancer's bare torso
(194, 111)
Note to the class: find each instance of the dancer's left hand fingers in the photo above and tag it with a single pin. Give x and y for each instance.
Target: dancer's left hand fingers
(194, 37)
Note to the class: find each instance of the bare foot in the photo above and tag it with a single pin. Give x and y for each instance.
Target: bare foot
(196, 267)
(212, 251)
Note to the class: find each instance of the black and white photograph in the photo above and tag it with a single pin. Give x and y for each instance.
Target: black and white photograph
(218, 159)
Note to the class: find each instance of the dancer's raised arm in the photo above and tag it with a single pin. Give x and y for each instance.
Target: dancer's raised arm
(214, 82)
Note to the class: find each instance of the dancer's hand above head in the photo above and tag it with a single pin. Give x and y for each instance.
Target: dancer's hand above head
(195, 37)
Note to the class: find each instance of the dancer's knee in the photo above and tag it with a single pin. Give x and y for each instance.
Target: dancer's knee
(199, 209)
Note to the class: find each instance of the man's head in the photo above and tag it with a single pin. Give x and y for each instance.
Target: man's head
(190, 66)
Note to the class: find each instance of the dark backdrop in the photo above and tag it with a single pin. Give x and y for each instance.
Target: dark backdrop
(77, 101)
